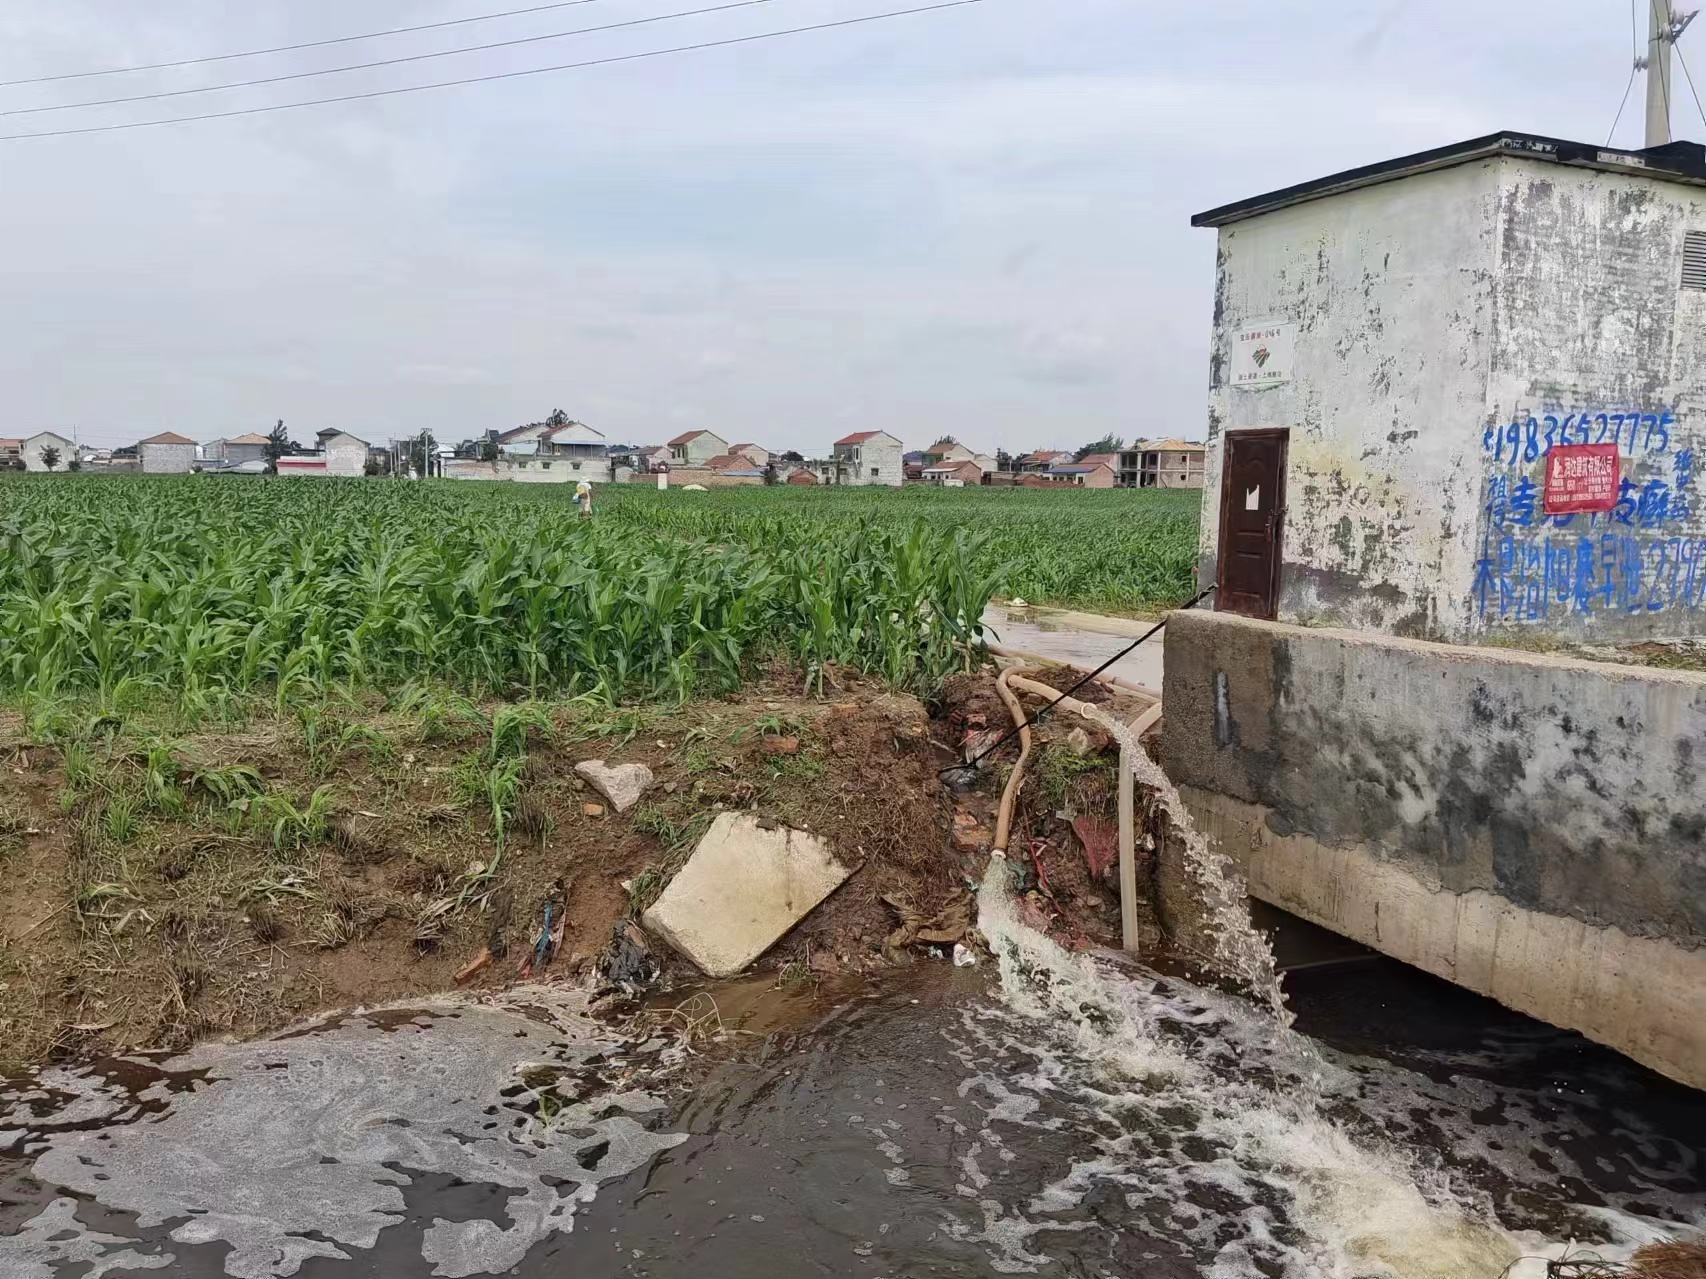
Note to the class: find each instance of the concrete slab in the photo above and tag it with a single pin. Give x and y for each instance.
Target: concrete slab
(1083, 640)
(748, 882)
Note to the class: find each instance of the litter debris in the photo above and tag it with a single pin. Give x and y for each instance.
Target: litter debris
(622, 784)
(549, 939)
(590, 809)
(629, 962)
(964, 956)
(946, 927)
(1101, 844)
(747, 883)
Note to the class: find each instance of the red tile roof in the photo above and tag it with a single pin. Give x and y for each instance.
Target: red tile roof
(250, 438)
(859, 437)
(688, 438)
(166, 437)
(11, 444)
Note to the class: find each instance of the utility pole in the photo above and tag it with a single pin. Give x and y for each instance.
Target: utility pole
(1659, 41)
(1664, 26)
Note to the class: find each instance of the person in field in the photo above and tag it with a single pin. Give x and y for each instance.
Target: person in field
(583, 499)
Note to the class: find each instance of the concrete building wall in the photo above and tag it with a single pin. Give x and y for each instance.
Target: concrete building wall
(701, 449)
(234, 452)
(881, 463)
(1532, 828)
(1451, 326)
(681, 476)
(33, 446)
(345, 455)
(1178, 470)
(1593, 340)
(166, 459)
(1387, 288)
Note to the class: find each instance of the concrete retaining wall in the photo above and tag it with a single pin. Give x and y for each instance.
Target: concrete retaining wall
(1533, 828)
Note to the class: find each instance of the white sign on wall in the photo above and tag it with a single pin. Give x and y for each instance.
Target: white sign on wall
(1262, 354)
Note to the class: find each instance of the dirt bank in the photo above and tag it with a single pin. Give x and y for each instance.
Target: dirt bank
(164, 884)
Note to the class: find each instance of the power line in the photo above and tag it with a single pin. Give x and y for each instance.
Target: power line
(1620, 106)
(1634, 65)
(1689, 76)
(389, 62)
(291, 48)
(504, 75)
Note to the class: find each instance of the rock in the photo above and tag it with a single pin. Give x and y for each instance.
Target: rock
(970, 835)
(781, 746)
(741, 891)
(622, 785)
(1079, 743)
(592, 810)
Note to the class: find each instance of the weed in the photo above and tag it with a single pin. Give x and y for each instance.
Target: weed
(774, 724)
(1066, 777)
(802, 766)
(511, 726)
(160, 774)
(81, 775)
(671, 831)
(795, 976)
(644, 890)
(227, 786)
(118, 819)
(623, 726)
(502, 788)
(439, 714)
(295, 828)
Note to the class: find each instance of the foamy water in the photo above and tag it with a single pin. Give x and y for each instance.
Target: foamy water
(1173, 1062)
(301, 1146)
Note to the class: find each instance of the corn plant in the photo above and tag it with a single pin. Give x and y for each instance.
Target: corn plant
(225, 595)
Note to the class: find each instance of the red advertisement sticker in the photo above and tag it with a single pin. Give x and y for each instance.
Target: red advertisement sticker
(1582, 477)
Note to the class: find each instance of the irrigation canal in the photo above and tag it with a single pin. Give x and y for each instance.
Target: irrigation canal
(1048, 1115)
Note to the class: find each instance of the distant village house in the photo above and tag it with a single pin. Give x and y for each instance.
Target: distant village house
(695, 448)
(867, 458)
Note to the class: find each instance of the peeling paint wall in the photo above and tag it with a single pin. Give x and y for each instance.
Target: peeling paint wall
(1388, 289)
(1452, 326)
(1593, 341)
(1415, 795)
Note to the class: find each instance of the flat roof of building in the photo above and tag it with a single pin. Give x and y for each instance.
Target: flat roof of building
(1673, 162)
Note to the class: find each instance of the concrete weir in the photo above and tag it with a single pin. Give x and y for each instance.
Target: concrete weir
(1530, 827)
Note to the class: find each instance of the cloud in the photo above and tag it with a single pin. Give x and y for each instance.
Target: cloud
(973, 222)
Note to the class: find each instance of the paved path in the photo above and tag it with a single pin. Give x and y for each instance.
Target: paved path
(1085, 640)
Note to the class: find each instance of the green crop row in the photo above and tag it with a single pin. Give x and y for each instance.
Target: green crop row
(208, 588)
(1107, 550)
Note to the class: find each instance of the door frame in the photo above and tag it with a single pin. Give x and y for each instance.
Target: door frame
(1283, 435)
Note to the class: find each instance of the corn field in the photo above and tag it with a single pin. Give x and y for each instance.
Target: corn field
(1104, 550)
(209, 589)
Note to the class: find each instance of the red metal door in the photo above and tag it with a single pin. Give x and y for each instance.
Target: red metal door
(1252, 511)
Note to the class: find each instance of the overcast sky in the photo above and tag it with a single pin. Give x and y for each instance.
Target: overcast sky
(973, 221)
